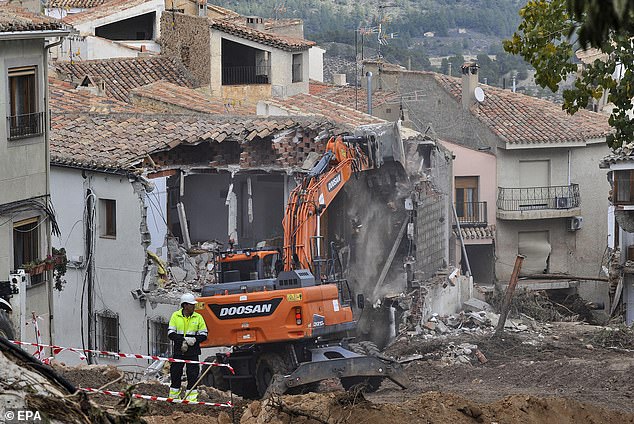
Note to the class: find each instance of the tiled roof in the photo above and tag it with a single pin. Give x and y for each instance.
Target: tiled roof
(107, 8)
(65, 98)
(307, 105)
(477, 233)
(279, 41)
(520, 119)
(623, 153)
(74, 4)
(162, 92)
(119, 141)
(124, 74)
(348, 96)
(14, 19)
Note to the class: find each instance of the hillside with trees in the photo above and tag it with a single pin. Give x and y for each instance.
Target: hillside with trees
(413, 31)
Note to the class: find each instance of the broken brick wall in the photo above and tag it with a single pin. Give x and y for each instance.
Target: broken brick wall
(432, 242)
(188, 39)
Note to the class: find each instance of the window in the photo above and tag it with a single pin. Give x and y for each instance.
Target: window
(24, 119)
(467, 198)
(159, 343)
(108, 218)
(297, 67)
(108, 331)
(623, 187)
(26, 245)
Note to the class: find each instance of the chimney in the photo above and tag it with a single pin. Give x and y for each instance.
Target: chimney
(339, 79)
(368, 75)
(255, 22)
(202, 8)
(469, 83)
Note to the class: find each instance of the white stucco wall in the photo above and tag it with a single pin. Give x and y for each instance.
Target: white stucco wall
(90, 47)
(158, 6)
(316, 58)
(118, 263)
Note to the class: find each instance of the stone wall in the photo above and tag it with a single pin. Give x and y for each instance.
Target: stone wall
(187, 38)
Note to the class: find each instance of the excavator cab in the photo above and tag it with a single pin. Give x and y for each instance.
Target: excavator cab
(247, 264)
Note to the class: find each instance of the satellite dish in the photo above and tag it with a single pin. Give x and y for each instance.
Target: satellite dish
(479, 94)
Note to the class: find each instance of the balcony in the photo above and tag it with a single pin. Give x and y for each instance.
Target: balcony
(538, 202)
(245, 75)
(472, 214)
(23, 126)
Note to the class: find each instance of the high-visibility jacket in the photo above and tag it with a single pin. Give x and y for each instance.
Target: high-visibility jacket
(181, 326)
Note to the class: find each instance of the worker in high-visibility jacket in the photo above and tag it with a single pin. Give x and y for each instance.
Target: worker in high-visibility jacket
(187, 330)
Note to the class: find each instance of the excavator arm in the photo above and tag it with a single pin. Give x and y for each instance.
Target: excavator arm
(345, 156)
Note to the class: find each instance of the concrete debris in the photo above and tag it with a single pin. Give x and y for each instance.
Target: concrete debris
(476, 305)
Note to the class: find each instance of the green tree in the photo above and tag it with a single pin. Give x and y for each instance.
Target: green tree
(546, 38)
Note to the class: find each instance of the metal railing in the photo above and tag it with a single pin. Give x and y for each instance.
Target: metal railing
(240, 75)
(532, 198)
(472, 214)
(27, 125)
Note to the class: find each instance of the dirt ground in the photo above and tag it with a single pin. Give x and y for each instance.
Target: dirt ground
(559, 372)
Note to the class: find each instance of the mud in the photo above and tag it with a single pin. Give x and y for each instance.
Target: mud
(564, 373)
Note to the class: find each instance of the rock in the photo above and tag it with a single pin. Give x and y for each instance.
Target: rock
(431, 326)
(224, 418)
(441, 327)
(476, 305)
(589, 347)
(178, 274)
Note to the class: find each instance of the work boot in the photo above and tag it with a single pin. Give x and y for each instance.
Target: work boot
(192, 396)
(175, 393)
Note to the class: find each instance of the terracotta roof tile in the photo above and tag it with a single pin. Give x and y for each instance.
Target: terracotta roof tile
(517, 118)
(15, 19)
(74, 4)
(107, 8)
(267, 38)
(307, 105)
(350, 97)
(122, 140)
(66, 98)
(121, 75)
(477, 233)
(163, 92)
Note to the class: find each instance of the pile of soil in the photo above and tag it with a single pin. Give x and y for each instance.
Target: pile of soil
(560, 372)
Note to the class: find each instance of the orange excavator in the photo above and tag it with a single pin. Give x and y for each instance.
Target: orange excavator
(288, 314)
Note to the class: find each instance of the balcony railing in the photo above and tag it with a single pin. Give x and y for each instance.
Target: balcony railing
(241, 75)
(532, 198)
(472, 214)
(28, 125)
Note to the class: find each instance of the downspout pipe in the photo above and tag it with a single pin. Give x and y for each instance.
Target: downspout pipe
(368, 75)
(47, 158)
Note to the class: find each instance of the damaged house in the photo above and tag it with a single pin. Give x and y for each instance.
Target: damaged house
(549, 205)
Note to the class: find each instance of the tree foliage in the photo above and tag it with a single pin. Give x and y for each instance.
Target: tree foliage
(546, 38)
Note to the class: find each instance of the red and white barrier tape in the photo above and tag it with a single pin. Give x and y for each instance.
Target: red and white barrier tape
(157, 398)
(57, 349)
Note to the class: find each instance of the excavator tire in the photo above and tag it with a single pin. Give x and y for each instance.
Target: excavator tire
(214, 378)
(6, 328)
(364, 384)
(269, 364)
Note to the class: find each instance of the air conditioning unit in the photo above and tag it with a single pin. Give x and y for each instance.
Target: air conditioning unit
(575, 223)
(562, 202)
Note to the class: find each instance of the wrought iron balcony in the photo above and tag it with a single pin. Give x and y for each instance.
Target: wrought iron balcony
(472, 214)
(537, 198)
(28, 125)
(243, 75)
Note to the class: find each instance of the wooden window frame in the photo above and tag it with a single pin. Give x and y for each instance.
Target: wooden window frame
(108, 221)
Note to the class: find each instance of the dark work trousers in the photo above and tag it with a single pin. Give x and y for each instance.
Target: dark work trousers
(176, 371)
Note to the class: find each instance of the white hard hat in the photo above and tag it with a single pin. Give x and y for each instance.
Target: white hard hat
(188, 298)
